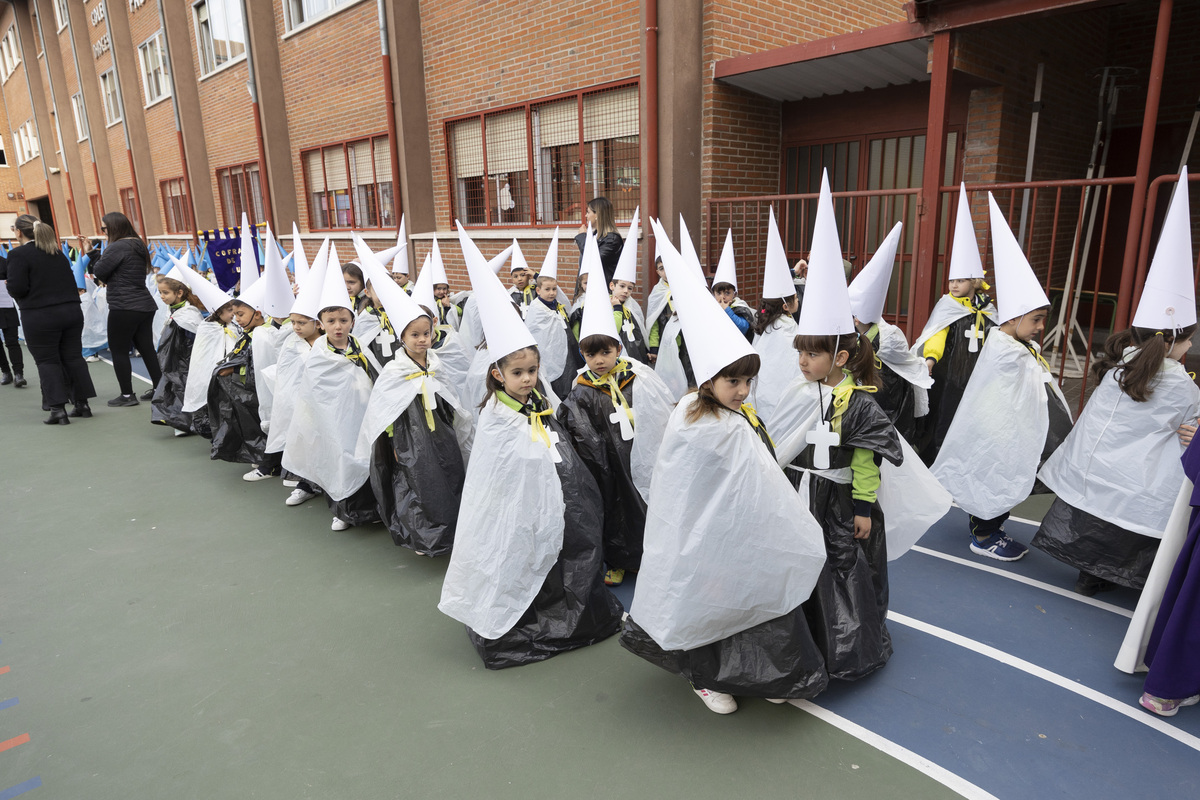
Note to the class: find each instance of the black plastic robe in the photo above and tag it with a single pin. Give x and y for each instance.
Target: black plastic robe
(950, 377)
(174, 354)
(237, 433)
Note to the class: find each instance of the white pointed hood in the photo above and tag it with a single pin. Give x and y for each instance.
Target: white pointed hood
(496, 263)
(248, 261)
(597, 306)
(1018, 291)
(965, 263)
(299, 257)
(503, 328)
(437, 265)
(255, 296)
(333, 290)
(869, 289)
(627, 264)
(277, 291)
(205, 291)
(422, 293)
(726, 266)
(687, 250)
(400, 308)
(308, 299)
(777, 275)
(518, 258)
(826, 308)
(550, 262)
(1168, 300)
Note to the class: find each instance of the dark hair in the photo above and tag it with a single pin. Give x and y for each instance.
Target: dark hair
(1136, 375)
(38, 232)
(860, 365)
(180, 286)
(354, 271)
(706, 402)
(415, 319)
(540, 278)
(769, 311)
(590, 345)
(118, 226)
(494, 385)
(604, 216)
(717, 287)
(336, 308)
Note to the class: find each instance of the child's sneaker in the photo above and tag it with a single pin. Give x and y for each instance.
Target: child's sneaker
(717, 701)
(999, 547)
(339, 524)
(291, 483)
(256, 474)
(614, 577)
(299, 496)
(1166, 708)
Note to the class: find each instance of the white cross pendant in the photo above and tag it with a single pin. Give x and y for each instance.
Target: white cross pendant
(385, 342)
(619, 417)
(554, 454)
(823, 440)
(627, 328)
(974, 335)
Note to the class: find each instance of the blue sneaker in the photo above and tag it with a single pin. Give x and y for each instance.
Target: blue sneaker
(999, 547)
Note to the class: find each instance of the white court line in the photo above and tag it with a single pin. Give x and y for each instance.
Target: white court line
(1013, 576)
(131, 372)
(955, 783)
(1134, 712)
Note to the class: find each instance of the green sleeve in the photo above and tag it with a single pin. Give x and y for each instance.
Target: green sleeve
(655, 334)
(865, 482)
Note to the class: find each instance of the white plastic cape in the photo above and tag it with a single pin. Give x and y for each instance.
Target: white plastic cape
(660, 295)
(989, 459)
(162, 311)
(1131, 657)
(456, 363)
(265, 345)
(95, 314)
(669, 366)
(944, 313)
(909, 495)
(188, 318)
(729, 544)
(213, 343)
(395, 390)
(638, 317)
(1121, 460)
(510, 525)
(780, 364)
(652, 407)
(549, 330)
(893, 350)
(288, 371)
(473, 389)
(471, 328)
(328, 414)
(366, 327)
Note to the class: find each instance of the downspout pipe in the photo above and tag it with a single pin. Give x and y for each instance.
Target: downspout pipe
(187, 181)
(252, 87)
(650, 89)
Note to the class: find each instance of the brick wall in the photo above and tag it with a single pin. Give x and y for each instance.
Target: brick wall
(62, 49)
(13, 112)
(160, 117)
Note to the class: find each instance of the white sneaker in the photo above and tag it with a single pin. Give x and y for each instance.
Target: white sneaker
(92, 359)
(299, 496)
(256, 475)
(719, 702)
(339, 525)
(291, 484)
(182, 433)
(777, 700)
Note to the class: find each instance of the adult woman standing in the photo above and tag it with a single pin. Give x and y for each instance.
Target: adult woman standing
(41, 281)
(600, 215)
(123, 267)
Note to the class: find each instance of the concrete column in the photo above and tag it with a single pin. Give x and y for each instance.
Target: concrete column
(680, 97)
(277, 140)
(412, 115)
(93, 100)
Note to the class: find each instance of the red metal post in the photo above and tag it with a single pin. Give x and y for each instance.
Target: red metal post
(931, 181)
(1158, 64)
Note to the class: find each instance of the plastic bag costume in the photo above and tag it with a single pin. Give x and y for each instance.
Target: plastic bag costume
(415, 433)
(1116, 477)
(1013, 416)
(731, 556)
(95, 315)
(289, 369)
(237, 433)
(526, 574)
(904, 396)
(561, 360)
(174, 355)
(780, 364)
(212, 344)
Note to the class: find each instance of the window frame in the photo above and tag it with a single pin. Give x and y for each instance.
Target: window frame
(3, 152)
(160, 42)
(9, 52)
(129, 206)
(534, 187)
(60, 15)
(354, 223)
(111, 73)
(290, 25)
(252, 213)
(187, 224)
(202, 55)
(82, 132)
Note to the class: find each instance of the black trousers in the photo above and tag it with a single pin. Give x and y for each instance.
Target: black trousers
(54, 337)
(127, 328)
(14, 351)
(983, 528)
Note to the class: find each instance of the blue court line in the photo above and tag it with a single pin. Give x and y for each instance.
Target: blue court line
(21, 788)
(7, 703)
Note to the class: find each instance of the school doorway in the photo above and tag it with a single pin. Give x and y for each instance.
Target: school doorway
(40, 208)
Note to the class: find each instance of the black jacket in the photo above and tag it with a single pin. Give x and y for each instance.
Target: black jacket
(610, 252)
(39, 280)
(123, 268)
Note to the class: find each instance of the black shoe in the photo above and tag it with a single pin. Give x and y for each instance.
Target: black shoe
(5, 379)
(19, 381)
(1088, 585)
(81, 409)
(147, 395)
(123, 400)
(58, 416)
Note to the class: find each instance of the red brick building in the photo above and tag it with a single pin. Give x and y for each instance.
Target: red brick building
(509, 116)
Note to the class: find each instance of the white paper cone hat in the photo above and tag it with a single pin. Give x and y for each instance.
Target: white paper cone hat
(726, 267)
(503, 328)
(777, 275)
(438, 266)
(277, 289)
(423, 290)
(394, 256)
(627, 264)
(597, 306)
(713, 341)
(255, 296)
(1168, 300)
(171, 273)
(401, 309)
(688, 250)
(868, 291)
(205, 291)
(965, 263)
(248, 262)
(1018, 291)
(497, 261)
(299, 257)
(826, 308)
(308, 299)
(550, 262)
(518, 258)
(333, 290)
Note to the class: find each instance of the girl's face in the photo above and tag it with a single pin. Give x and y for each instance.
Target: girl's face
(604, 360)
(519, 375)
(224, 314)
(730, 392)
(662, 272)
(417, 337)
(338, 324)
(583, 279)
(792, 304)
(819, 366)
(169, 296)
(547, 289)
(961, 287)
(441, 290)
(306, 328)
(1180, 349)
(621, 290)
(353, 284)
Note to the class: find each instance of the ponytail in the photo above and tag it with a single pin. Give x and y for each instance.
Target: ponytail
(41, 234)
(1139, 371)
(768, 312)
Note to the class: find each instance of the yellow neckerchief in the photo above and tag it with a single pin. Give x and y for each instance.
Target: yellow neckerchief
(976, 308)
(1033, 352)
(530, 409)
(872, 334)
(526, 294)
(841, 399)
(242, 342)
(442, 312)
(426, 393)
(387, 325)
(353, 352)
(608, 384)
(752, 417)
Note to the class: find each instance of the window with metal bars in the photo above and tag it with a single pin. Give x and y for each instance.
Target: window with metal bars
(540, 163)
(241, 190)
(176, 206)
(349, 185)
(130, 207)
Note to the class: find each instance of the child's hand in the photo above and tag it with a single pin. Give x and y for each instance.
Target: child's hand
(652, 356)
(1186, 432)
(929, 362)
(721, 302)
(862, 527)
(226, 372)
